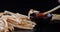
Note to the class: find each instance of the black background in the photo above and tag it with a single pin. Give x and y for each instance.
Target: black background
(23, 6)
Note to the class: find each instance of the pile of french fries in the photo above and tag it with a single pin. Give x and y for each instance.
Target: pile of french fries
(9, 20)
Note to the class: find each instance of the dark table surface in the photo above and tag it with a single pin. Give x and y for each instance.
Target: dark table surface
(52, 27)
(21, 30)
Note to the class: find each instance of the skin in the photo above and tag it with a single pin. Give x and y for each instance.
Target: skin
(59, 1)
